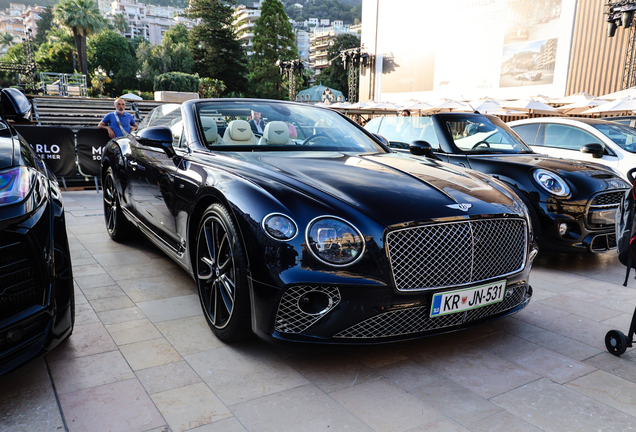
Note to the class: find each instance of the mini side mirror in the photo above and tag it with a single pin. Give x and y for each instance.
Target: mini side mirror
(382, 139)
(157, 137)
(595, 149)
(422, 148)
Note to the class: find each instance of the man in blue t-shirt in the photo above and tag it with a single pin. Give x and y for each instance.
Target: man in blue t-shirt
(109, 122)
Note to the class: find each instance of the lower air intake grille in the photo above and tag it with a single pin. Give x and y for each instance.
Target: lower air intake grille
(457, 253)
(291, 319)
(20, 283)
(415, 320)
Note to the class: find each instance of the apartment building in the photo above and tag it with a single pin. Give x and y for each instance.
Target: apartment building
(244, 20)
(147, 20)
(320, 41)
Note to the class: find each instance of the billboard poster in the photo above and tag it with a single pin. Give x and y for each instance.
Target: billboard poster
(467, 48)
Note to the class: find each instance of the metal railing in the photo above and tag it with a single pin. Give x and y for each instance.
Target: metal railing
(62, 84)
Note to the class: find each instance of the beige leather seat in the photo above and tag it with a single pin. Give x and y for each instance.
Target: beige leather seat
(210, 131)
(275, 133)
(239, 132)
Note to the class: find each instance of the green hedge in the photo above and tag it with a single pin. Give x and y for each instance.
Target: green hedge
(177, 81)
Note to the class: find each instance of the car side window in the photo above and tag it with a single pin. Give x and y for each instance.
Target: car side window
(567, 137)
(527, 132)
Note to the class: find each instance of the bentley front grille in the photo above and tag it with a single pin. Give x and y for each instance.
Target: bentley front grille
(295, 313)
(457, 253)
(414, 320)
(20, 282)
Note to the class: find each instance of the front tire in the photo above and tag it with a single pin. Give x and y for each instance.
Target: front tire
(118, 227)
(221, 276)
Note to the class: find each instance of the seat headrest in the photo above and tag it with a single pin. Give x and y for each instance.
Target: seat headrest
(209, 129)
(240, 130)
(276, 132)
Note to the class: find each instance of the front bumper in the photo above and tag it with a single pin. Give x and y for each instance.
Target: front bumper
(364, 315)
(36, 286)
(588, 228)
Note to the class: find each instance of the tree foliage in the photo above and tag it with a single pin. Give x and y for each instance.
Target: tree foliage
(177, 34)
(82, 18)
(343, 10)
(113, 53)
(56, 54)
(216, 52)
(273, 40)
(177, 81)
(44, 25)
(335, 76)
(6, 40)
(210, 88)
(161, 59)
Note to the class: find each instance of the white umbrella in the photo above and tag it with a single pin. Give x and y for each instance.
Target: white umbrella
(384, 106)
(531, 106)
(340, 105)
(320, 104)
(574, 98)
(620, 94)
(624, 105)
(581, 106)
(131, 96)
(505, 112)
(543, 98)
(362, 105)
(444, 105)
(416, 106)
(481, 106)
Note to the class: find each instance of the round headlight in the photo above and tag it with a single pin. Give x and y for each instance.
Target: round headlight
(551, 182)
(279, 227)
(334, 241)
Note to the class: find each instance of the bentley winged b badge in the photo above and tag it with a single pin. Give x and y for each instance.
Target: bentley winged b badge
(462, 206)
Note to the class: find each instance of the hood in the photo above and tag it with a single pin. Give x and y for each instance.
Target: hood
(393, 188)
(584, 177)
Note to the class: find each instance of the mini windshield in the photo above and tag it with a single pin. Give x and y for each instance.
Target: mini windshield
(253, 125)
(623, 136)
(473, 134)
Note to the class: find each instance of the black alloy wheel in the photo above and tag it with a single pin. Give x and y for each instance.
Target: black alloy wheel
(221, 276)
(117, 225)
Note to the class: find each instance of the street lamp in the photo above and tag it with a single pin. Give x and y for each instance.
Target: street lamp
(100, 74)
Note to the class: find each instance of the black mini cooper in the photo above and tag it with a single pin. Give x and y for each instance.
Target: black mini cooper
(572, 203)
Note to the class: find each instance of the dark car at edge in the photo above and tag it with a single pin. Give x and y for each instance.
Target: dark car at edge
(572, 203)
(314, 231)
(36, 281)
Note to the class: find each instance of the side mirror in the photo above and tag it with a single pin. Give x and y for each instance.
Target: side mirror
(14, 105)
(382, 139)
(595, 149)
(158, 137)
(422, 148)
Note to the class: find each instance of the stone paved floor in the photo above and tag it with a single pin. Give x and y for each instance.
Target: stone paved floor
(143, 359)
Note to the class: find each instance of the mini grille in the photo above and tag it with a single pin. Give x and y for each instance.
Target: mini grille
(451, 254)
(291, 319)
(608, 199)
(20, 285)
(415, 320)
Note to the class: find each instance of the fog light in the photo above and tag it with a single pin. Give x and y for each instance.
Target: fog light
(563, 228)
(315, 303)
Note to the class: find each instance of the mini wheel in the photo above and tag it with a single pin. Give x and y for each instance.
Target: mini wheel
(615, 342)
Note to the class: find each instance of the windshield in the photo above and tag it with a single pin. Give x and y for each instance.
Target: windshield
(473, 134)
(254, 125)
(623, 136)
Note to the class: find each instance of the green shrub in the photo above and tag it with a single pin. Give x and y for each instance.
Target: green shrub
(177, 81)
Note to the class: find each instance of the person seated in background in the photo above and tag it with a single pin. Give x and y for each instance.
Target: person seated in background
(256, 123)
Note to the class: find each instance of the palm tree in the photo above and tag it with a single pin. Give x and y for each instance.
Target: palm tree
(6, 40)
(120, 23)
(83, 18)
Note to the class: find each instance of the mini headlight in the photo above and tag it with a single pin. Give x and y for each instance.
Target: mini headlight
(334, 241)
(551, 182)
(279, 227)
(15, 185)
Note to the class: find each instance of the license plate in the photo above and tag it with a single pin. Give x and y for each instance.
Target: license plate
(466, 299)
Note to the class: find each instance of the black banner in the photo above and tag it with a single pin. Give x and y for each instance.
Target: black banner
(90, 142)
(55, 145)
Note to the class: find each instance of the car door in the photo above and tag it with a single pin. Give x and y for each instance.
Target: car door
(565, 141)
(154, 188)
